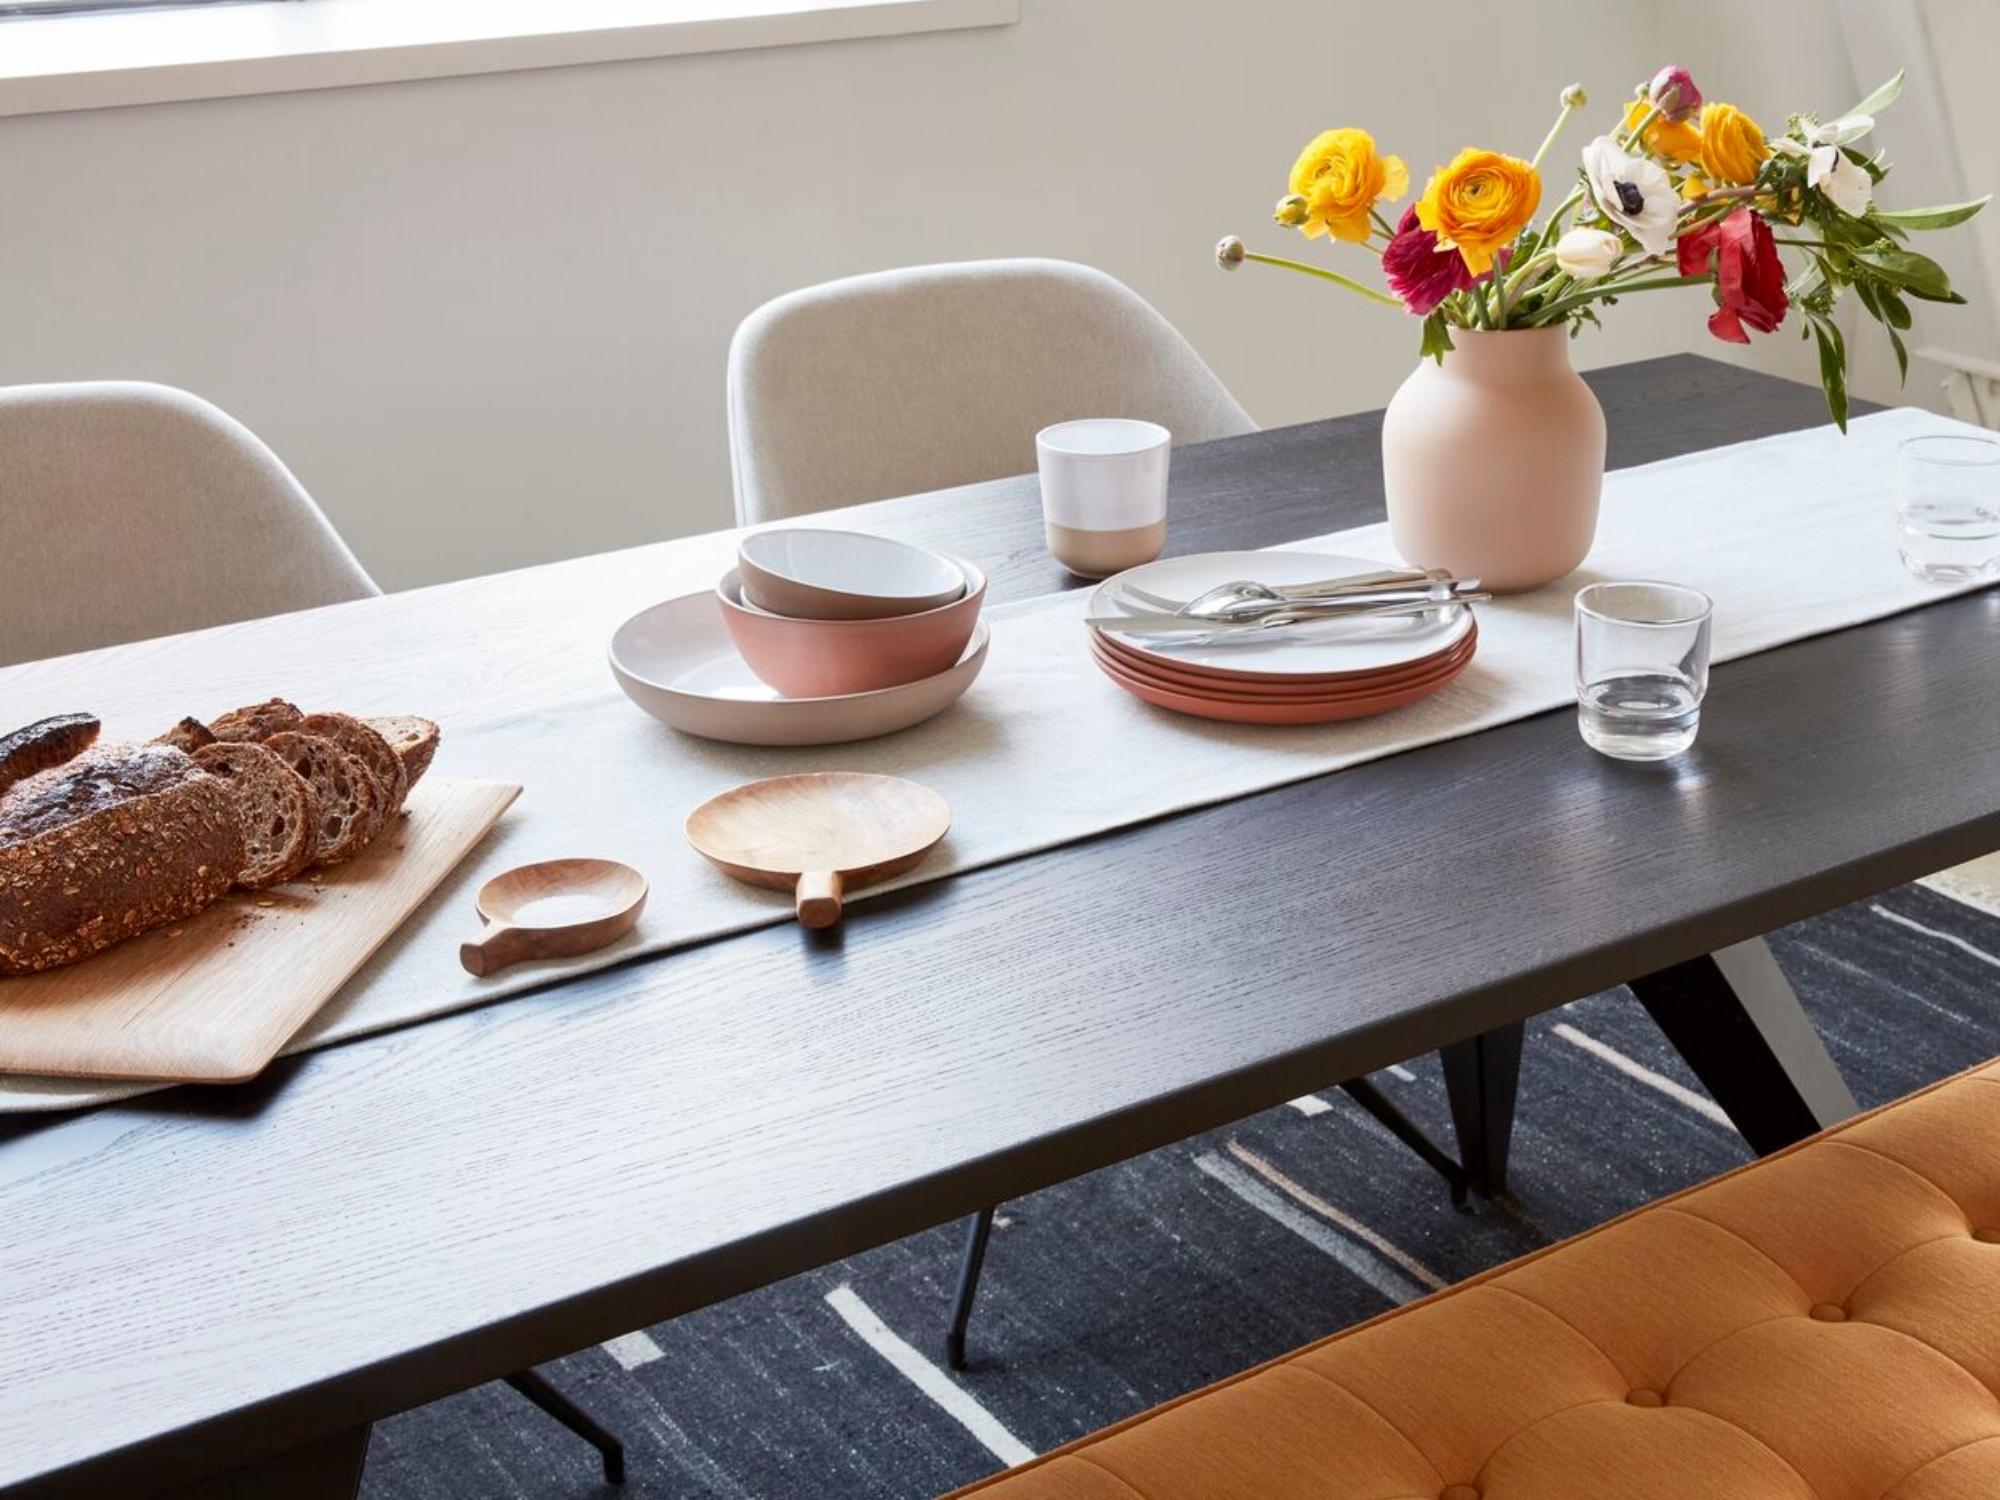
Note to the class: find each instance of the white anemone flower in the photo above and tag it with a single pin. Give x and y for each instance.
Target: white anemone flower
(1633, 193)
(1845, 183)
(1587, 254)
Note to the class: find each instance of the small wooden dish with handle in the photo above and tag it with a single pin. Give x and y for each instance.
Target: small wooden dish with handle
(819, 834)
(561, 908)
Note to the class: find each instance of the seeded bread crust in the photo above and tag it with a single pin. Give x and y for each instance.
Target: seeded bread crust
(276, 806)
(114, 842)
(413, 738)
(349, 812)
(257, 721)
(371, 749)
(45, 743)
(189, 735)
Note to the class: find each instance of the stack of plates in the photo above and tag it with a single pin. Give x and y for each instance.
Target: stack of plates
(1309, 674)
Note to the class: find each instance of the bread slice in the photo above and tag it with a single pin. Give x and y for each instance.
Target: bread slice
(367, 746)
(188, 735)
(277, 807)
(349, 812)
(117, 840)
(413, 738)
(257, 721)
(45, 743)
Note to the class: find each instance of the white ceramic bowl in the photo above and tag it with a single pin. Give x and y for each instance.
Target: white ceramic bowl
(677, 663)
(808, 574)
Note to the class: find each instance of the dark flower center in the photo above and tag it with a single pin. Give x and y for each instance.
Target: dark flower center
(1630, 198)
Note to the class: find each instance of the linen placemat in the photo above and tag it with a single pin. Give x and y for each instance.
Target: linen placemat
(1793, 536)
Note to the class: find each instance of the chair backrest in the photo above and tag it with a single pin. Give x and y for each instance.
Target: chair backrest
(915, 380)
(130, 510)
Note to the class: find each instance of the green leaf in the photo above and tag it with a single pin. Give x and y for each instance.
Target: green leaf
(1946, 296)
(1902, 357)
(1906, 268)
(1437, 339)
(1944, 216)
(1895, 311)
(1832, 369)
(1880, 100)
(1865, 290)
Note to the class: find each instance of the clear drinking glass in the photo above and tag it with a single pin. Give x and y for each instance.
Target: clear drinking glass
(1949, 506)
(1641, 667)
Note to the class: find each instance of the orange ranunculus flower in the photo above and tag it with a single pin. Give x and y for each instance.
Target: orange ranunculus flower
(1478, 203)
(1671, 141)
(1340, 177)
(1732, 145)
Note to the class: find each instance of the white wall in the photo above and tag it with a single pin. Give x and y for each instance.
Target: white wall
(485, 318)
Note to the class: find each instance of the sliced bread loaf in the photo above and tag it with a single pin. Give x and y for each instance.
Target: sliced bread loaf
(113, 842)
(45, 743)
(277, 807)
(367, 746)
(189, 735)
(413, 738)
(350, 813)
(257, 721)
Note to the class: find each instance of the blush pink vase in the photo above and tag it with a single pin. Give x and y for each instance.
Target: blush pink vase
(1493, 461)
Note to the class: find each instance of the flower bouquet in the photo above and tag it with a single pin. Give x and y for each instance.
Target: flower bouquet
(1682, 193)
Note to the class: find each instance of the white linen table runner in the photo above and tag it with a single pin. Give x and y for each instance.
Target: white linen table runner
(1793, 536)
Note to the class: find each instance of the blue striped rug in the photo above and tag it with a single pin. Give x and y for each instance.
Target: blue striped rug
(1121, 1289)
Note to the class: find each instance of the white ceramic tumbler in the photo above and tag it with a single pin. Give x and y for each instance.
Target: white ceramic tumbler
(1104, 492)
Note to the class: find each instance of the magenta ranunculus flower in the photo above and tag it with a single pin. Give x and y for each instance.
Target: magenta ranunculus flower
(1420, 273)
(1673, 90)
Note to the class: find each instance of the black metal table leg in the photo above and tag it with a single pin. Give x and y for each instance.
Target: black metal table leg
(978, 1229)
(552, 1401)
(1406, 1130)
(1739, 1025)
(1483, 1076)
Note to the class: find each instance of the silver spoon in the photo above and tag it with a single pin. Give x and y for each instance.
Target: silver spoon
(1246, 605)
(1246, 590)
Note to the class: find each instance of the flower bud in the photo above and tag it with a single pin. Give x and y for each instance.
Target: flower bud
(1673, 92)
(1573, 97)
(1587, 254)
(1292, 211)
(1229, 254)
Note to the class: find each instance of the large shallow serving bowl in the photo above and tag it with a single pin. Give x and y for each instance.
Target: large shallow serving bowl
(820, 658)
(676, 662)
(809, 574)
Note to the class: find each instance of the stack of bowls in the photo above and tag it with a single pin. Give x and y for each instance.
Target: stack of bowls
(822, 613)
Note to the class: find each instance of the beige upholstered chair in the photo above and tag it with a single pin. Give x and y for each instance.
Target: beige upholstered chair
(130, 510)
(914, 380)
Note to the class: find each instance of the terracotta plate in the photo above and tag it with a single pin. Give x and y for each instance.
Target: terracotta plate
(1239, 710)
(1172, 675)
(1344, 651)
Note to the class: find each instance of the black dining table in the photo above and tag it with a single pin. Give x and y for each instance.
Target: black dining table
(227, 1285)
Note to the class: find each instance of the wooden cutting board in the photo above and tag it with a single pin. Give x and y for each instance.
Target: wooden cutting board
(212, 999)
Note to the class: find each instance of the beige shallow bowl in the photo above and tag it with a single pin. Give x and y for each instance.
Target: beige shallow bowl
(677, 663)
(824, 658)
(805, 573)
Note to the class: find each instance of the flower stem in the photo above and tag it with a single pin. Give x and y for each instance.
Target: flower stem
(1549, 140)
(1325, 275)
(1638, 131)
(1553, 310)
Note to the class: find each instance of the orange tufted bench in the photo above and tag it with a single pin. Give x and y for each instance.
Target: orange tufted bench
(1820, 1325)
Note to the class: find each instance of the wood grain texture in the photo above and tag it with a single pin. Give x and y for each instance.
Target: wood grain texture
(420, 1211)
(213, 998)
(556, 908)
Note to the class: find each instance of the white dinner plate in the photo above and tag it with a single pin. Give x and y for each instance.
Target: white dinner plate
(675, 660)
(1344, 646)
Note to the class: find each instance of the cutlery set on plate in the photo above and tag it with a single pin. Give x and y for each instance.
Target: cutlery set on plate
(1282, 637)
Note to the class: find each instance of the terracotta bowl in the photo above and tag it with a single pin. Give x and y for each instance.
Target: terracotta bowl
(809, 574)
(819, 658)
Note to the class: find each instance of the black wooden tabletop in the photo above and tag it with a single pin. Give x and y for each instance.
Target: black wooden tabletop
(205, 1276)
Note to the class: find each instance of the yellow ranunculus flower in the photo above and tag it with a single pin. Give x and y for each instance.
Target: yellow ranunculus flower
(1692, 187)
(1674, 142)
(1478, 203)
(1340, 177)
(1732, 145)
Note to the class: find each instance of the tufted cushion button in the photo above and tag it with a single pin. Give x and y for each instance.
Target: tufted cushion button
(1459, 1492)
(1644, 1398)
(1828, 1312)
(1987, 1236)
